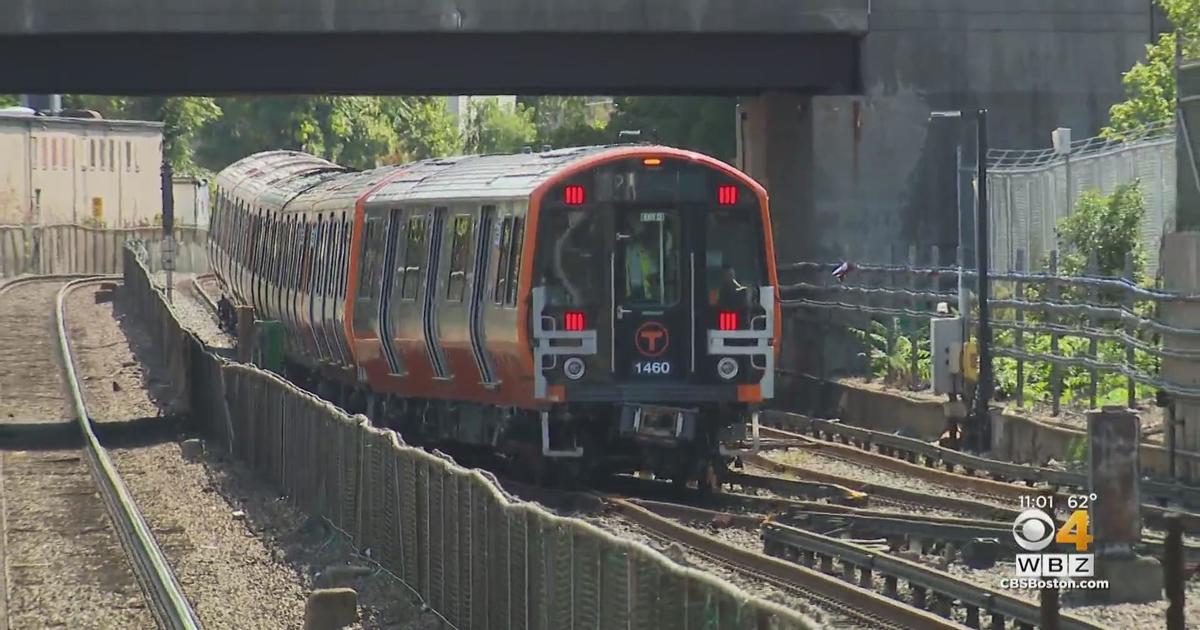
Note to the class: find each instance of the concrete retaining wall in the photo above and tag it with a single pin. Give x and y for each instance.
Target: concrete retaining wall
(1015, 437)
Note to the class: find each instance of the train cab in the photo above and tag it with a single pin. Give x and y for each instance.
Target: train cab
(653, 301)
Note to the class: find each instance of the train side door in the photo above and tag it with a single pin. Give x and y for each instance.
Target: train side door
(651, 296)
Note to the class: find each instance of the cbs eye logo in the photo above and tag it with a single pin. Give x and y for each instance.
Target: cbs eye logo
(1033, 530)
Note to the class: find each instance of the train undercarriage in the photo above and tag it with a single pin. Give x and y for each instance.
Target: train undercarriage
(566, 445)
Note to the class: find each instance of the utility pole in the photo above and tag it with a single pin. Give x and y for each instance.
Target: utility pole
(983, 397)
(980, 437)
(168, 225)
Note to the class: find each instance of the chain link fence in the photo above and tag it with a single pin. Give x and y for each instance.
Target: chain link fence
(1031, 191)
(477, 556)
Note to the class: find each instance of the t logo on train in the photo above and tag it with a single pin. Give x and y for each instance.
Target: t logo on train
(576, 311)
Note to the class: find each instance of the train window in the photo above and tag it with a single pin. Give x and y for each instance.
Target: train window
(54, 152)
(276, 248)
(343, 239)
(570, 259)
(504, 245)
(414, 257)
(327, 244)
(314, 269)
(112, 162)
(367, 259)
(128, 155)
(733, 257)
(45, 156)
(344, 264)
(514, 260)
(460, 245)
(329, 237)
(305, 258)
(651, 257)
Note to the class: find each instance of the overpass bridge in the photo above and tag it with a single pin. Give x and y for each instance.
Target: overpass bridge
(835, 119)
(432, 46)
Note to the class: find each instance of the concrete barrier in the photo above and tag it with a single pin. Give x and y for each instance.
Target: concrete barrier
(1015, 437)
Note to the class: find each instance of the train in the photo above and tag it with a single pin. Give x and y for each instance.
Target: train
(577, 311)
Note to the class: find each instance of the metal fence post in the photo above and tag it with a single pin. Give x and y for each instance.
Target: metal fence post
(935, 284)
(1130, 359)
(1093, 344)
(1019, 335)
(1173, 572)
(914, 377)
(1055, 371)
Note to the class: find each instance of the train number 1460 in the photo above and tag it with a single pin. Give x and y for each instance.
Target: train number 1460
(652, 367)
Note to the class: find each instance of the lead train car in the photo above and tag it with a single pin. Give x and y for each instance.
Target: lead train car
(599, 308)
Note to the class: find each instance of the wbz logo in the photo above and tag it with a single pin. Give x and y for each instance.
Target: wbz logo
(1034, 530)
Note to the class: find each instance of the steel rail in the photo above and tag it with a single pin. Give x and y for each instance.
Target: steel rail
(891, 446)
(891, 493)
(168, 602)
(981, 598)
(202, 293)
(780, 571)
(938, 528)
(910, 468)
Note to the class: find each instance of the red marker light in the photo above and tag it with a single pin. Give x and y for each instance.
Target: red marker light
(573, 195)
(727, 195)
(573, 321)
(727, 320)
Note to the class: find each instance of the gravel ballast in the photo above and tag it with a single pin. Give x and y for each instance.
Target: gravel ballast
(244, 556)
(63, 564)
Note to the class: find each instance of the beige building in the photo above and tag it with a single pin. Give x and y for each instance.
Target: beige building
(79, 170)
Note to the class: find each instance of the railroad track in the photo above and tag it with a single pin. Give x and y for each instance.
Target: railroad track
(70, 492)
(170, 606)
(851, 600)
(942, 599)
(880, 493)
(1006, 481)
(198, 287)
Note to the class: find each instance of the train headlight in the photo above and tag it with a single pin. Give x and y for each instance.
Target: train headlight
(574, 368)
(727, 368)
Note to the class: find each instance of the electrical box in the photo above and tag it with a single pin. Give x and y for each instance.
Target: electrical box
(945, 336)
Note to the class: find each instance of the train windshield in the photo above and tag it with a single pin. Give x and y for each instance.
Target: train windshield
(651, 257)
(733, 258)
(572, 262)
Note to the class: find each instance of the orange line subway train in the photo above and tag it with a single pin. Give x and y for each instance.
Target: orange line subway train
(583, 310)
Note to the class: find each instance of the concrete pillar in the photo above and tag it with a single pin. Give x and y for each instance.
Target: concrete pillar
(1180, 265)
(1113, 438)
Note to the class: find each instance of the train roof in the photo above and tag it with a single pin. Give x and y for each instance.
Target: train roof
(300, 181)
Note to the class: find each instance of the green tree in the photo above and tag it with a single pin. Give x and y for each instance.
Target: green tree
(492, 128)
(1150, 84)
(424, 128)
(699, 123)
(353, 130)
(356, 131)
(568, 121)
(1106, 225)
(182, 118)
(9, 100)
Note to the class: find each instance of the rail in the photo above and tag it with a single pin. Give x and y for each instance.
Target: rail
(912, 450)
(169, 604)
(776, 570)
(779, 539)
